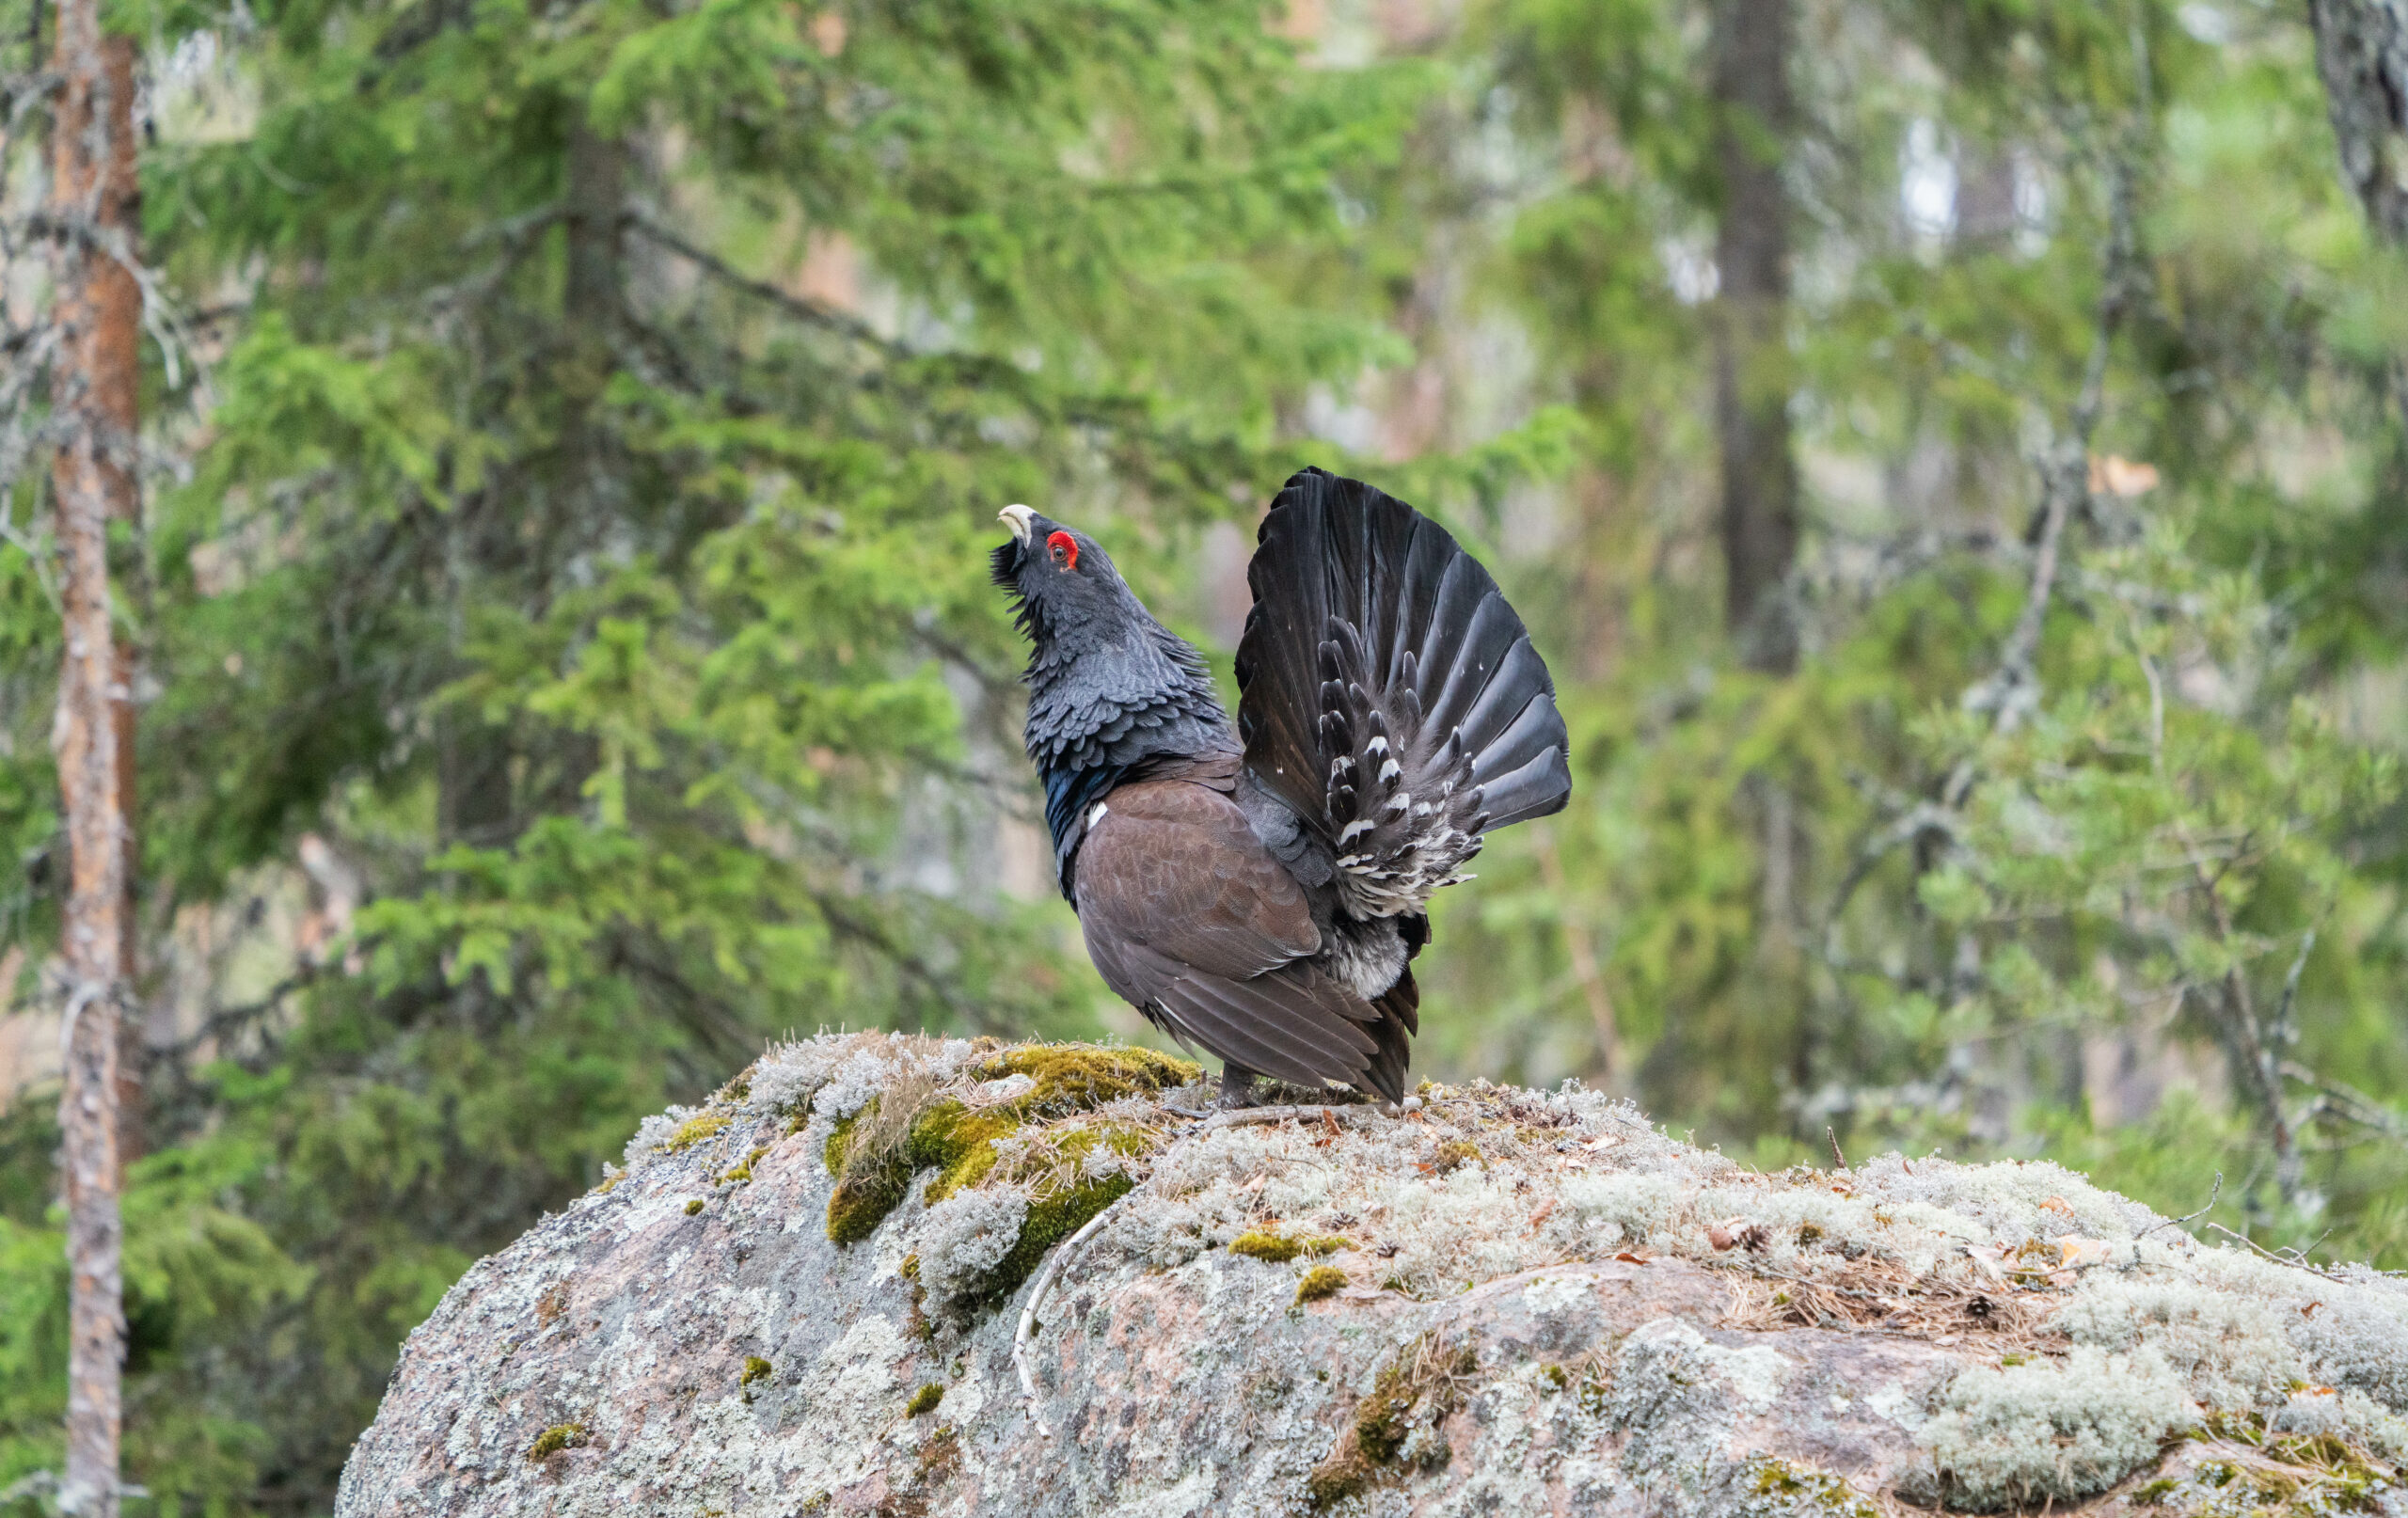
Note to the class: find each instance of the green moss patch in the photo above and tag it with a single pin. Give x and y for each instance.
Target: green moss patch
(1333, 1482)
(1269, 1247)
(2242, 1470)
(742, 1173)
(959, 1144)
(1076, 1076)
(957, 1141)
(1415, 1391)
(1381, 1423)
(1454, 1154)
(1051, 1220)
(869, 1185)
(1318, 1282)
(1277, 1249)
(923, 1401)
(558, 1437)
(1784, 1486)
(860, 1204)
(755, 1369)
(839, 1146)
(694, 1130)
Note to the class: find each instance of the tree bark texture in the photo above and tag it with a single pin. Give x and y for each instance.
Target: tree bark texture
(2362, 53)
(586, 490)
(98, 312)
(1750, 66)
(132, 1050)
(491, 781)
(597, 169)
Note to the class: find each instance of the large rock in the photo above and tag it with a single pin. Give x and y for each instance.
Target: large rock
(1534, 1303)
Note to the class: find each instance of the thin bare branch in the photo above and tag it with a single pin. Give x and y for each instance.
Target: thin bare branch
(798, 307)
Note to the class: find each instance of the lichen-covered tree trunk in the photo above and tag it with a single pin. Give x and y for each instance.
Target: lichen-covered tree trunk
(532, 527)
(2362, 53)
(1752, 114)
(98, 309)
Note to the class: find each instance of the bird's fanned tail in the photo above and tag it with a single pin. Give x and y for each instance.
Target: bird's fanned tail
(1390, 697)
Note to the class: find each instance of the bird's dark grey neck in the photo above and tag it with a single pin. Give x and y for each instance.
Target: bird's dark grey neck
(1148, 692)
(1108, 714)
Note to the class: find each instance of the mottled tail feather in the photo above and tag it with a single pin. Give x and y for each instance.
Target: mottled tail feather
(1390, 695)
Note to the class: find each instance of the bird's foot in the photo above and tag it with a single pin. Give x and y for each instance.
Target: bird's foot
(1237, 1089)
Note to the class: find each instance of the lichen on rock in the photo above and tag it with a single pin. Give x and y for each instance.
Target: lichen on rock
(1506, 1300)
(2046, 1432)
(962, 1240)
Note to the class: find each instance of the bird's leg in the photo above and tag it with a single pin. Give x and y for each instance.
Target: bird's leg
(1237, 1087)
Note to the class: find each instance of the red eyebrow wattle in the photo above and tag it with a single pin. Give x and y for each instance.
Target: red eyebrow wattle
(1069, 544)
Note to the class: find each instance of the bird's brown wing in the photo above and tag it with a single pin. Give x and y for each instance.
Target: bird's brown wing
(1192, 918)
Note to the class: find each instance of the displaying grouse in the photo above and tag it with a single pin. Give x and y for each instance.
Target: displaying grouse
(1262, 894)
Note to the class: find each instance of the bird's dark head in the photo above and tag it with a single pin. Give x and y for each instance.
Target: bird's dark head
(1109, 686)
(1071, 599)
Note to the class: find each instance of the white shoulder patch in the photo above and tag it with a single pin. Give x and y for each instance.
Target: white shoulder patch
(1094, 814)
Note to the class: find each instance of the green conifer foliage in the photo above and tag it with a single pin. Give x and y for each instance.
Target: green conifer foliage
(606, 411)
(2163, 816)
(585, 429)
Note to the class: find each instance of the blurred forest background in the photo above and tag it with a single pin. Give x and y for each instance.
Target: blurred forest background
(1950, 453)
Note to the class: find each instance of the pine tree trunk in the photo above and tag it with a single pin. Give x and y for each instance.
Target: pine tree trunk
(586, 489)
(1749, 84)
(598, 171)
(2362, 55)
(98, 312)
(490, 784)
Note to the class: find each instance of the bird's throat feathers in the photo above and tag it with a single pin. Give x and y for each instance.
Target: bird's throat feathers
(1110, 715)
(1110, 689)
(1110, 685)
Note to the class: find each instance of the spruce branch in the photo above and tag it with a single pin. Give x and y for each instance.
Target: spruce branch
(800, 307)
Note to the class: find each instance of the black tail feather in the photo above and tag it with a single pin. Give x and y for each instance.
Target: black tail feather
(1390, 696)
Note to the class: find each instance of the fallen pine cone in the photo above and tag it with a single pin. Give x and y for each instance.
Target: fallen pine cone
(1741, 1234)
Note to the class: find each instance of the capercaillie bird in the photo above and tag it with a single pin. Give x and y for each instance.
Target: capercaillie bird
(1262, 894)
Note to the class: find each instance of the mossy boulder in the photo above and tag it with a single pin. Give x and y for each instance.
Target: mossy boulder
(1505, 1302)
(957, 1137)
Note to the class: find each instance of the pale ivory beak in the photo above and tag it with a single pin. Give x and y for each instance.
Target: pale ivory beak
(1017, 518)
